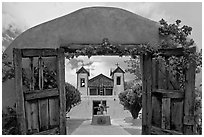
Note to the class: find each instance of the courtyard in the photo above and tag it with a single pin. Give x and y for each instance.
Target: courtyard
(126, 126)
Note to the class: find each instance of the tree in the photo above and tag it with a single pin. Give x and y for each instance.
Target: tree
(131, 99)
(73, 96)
(134, 67)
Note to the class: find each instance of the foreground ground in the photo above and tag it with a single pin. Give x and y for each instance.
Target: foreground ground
(125, 126)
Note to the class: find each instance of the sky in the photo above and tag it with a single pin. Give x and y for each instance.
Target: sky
(23, 16)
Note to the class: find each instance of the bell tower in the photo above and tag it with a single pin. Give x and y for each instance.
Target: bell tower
(118, 78)
(82, 81)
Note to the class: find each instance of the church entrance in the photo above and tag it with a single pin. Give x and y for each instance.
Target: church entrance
(96, 104)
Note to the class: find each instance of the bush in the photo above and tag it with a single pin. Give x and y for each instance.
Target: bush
(198, 111)
(131, 99)
(9, 122)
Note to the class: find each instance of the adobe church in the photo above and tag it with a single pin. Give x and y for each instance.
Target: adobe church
(99, 90)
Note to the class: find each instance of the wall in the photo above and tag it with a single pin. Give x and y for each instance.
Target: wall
(83, 90)
(85, 108)
(118, 88)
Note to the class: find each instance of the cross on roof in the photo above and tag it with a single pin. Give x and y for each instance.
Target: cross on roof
(117, 64)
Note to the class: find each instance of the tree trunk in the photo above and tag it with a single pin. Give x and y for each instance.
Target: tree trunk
(134, 110)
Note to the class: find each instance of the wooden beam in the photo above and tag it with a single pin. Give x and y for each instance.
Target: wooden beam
(189, 99)
(19, 91)
(53, 131)
(40, 73)
(174, 51)
(160, 131)
(168, 93)
(166, 113)
(32, 83)
(39, 94)
(61, 87)
(38, 52)
(146, 94)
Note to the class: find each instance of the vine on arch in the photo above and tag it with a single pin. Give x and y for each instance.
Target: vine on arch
(172, 36)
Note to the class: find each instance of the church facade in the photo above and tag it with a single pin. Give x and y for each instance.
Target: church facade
(98, 90)
(100, 85)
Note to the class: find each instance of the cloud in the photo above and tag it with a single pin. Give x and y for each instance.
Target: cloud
(77, 62)
(150, 10)
(11, 19)
(95, 65)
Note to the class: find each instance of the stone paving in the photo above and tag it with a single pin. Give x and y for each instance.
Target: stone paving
(117, 127)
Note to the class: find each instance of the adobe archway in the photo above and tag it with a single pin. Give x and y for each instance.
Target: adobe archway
(120, 26)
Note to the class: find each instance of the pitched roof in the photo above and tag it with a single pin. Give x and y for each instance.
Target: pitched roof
(82, 70)
(99, 76)
(117, 70)
(101, 80)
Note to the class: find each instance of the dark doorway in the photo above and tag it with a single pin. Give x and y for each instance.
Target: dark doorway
(96, 105)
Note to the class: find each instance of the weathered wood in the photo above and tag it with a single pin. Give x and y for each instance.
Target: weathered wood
(156, 111)
(39, 94)
(35, 116)
(54, 131)
(38, 52)
(189, 98)
(177, 114)
(61, 87)
(40, 74)
(54, 111)
(154, 74)
(43, 114)
(168, 93)
(166, 113)
(174, 51)
(146, 95)
(32, 84)
(160, 131)
(28, 116)
(162, 82)
(19, 90)
(72, 47)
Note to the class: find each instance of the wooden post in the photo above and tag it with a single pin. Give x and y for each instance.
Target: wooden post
(32, 84)
(19, 90)
(189, 98)
(146, 94)
(40, 68)
(166, 102)
(61, 87)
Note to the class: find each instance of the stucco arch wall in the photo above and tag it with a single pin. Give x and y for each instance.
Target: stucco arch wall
(87, 25)
(90, 25)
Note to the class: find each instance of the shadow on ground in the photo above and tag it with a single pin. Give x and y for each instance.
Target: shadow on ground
(135, 127)
(73, 124)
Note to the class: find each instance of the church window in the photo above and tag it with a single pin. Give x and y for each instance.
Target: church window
(118, 80)
(109, 91)
(82, 81)
(93, 91)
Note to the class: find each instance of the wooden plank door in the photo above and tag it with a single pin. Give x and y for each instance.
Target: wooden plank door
(40, 105)
(166, 108)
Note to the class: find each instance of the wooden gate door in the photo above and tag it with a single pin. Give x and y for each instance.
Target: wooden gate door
(40, 108)
(166, 108)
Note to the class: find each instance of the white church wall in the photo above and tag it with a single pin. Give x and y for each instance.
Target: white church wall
(83, 90)
(118, 88)
(85, 109)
